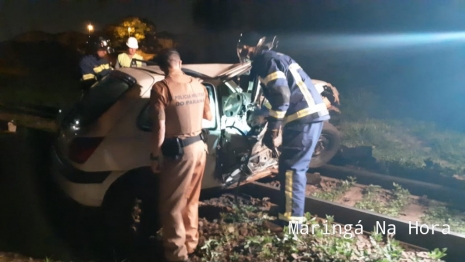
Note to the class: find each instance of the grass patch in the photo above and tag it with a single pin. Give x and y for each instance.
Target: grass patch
(247, 240)
(381, 201)
(406, 143)
(441, 215)
(334, 193)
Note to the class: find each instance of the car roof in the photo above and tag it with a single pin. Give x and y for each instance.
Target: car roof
(210, 70)
(213, 70)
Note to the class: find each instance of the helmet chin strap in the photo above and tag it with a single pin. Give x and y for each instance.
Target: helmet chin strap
(247, 56)
(243, 56)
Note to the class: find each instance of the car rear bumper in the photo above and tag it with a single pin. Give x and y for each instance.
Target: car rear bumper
(86, 188)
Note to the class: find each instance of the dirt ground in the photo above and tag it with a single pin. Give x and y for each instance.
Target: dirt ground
(38, 226)
(211, 226)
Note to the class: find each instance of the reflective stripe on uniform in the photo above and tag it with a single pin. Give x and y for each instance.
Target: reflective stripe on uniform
(312, 107)
(301, 113)
(273, 76)
(300, 83)
(287, 216)
(100, 68)
(277, 114)
(274, 113)
(288, 193)
(88, 76)
(305, 112)
(267, 104)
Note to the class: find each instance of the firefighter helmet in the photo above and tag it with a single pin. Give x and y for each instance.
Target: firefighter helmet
(253, 39)
(96, 43)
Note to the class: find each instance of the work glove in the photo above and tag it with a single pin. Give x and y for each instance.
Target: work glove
(269, 137)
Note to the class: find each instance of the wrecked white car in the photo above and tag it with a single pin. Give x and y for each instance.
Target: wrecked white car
(101, 155)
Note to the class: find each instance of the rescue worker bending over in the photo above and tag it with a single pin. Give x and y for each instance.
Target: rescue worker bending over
(124, 59)
(293, 105)
(179, 104)
(94, 65)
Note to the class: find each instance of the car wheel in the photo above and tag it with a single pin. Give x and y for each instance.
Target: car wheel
(327, 146)
(130, 216)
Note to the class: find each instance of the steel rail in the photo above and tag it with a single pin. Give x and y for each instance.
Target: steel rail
(404, 231)
(433, 191)
(427, 176)
(29, 121)
(36, 111)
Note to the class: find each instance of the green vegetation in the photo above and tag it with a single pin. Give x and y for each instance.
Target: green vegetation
(392, 203)
(334, 193)
(246, 239)
(406, 143)
(385, 202)
(442, 215)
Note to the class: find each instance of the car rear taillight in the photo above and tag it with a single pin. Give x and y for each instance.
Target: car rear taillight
(81, 148)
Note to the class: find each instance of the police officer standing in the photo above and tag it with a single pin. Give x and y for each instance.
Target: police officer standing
(179, 104)
(94, 64)
(296, 107)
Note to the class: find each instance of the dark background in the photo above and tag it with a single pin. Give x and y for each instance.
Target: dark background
(398, 55)
(418, 76)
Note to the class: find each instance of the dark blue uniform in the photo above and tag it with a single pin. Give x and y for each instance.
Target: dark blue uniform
(93, 67)
(293, 103)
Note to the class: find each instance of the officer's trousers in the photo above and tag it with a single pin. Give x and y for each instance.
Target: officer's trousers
(180, 185)
(298, 144)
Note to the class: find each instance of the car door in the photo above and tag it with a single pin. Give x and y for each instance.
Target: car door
(222, 81)
(226, 84)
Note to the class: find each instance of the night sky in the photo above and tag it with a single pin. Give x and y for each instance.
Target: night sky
(54, 16)
(19, 16)
(209, 34)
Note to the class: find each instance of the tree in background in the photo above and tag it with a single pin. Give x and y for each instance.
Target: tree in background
(142, 29)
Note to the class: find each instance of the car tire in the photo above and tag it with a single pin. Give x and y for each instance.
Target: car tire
(327, 147)
(130, 216)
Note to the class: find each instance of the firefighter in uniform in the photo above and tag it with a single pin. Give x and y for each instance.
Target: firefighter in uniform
(295, 107)
(179, 104)
(94, 64)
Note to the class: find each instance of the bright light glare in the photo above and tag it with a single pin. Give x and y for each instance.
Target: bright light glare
(376, 41)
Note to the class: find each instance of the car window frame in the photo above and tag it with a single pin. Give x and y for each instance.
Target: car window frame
(72, 114)
(216, 119)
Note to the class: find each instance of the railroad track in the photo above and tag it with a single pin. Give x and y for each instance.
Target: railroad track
(406, 232)
(430, 182)
(31, 116)
(451, 195)
(45, 112)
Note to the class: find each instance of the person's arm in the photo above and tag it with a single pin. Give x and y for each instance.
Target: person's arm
(157, 102)
(139, 64)
(102, 69)
(207, 113)
(117, 65)
(87, 71)
(277, 93)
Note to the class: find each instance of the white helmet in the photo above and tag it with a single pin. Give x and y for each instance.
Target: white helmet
(132, 43)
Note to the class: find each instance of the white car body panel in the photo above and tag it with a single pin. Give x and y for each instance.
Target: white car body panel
(125, 147)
